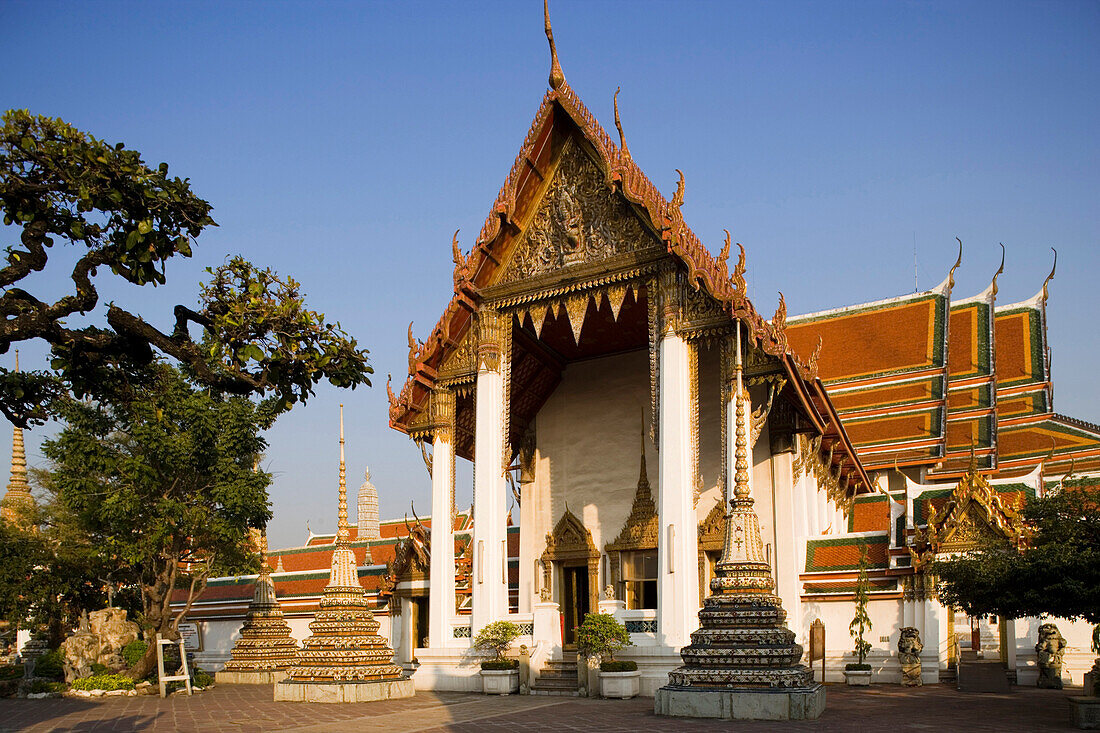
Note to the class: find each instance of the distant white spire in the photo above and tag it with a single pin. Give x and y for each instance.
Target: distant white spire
(368, 510)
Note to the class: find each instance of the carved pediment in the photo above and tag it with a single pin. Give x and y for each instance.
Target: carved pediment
(569, 540)
(580, 219)
(713, 528)
(973, 516)
(461, 361)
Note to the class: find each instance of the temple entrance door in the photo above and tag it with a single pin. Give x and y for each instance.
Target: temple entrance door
(575, 601)
(420, 622)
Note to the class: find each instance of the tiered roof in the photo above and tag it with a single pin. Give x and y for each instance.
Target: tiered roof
(924, 380)
(563, 116)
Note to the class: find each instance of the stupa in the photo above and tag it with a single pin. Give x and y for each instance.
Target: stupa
(265, 650)
(344, 660)
(743, 664)
(17, 500)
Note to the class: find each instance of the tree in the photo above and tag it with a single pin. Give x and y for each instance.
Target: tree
(60, 184)
(1057, 572)
(600, 634)
(163, 482)
(496, 638)
(861, 622)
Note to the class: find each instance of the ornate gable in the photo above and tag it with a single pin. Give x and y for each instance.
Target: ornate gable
(579, 220)
(973, 515)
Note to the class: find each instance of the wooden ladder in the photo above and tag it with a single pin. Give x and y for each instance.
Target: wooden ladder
(184, 678)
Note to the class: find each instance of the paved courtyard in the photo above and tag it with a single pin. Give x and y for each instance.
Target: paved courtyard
(242, 708)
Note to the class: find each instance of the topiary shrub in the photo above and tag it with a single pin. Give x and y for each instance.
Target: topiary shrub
(106, 682)
(601, 634)
(496, 638)
(624, 666)
(134, 651)
(500, 664)
(50, 665)
(857, 667)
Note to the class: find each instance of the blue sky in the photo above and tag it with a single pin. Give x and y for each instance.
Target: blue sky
(343, 143)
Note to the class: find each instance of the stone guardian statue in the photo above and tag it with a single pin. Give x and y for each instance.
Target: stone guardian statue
(1049, 651)
(909, 649)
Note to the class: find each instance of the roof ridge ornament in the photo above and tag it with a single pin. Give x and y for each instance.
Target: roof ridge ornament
(619, 125)
(678, 197)
(951, 273)
(1000, 270)
(1050, 276)
(557, 78)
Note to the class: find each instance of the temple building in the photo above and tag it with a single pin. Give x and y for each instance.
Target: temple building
(584, 364)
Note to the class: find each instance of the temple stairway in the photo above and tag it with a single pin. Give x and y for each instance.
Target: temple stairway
(557, 677)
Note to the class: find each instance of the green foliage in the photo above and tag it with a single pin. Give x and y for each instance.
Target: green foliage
(600, 634)
(133, 652)
(106, 682)
(11, 672)
(1057, 574)
(161, 484)
(613, 666)
(60, 184)
(201, 678)
(496, 637)
(40, 686)
(857, 667)
(98, 668)
(861, 622)
(50, 665)
(500, 664)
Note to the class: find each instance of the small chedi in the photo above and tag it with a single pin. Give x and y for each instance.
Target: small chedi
(743, 663)
(909, 649)
(344, 660)
(1049, 652)
(265, 649)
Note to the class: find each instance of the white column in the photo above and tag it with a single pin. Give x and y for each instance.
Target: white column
(786, 539)
(677, 545)
(490, 586)
(441, 601)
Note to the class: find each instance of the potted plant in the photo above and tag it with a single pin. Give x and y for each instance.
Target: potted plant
(499, 676)
(859, 673)
(601, 635)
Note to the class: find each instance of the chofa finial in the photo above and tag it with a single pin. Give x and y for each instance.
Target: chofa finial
(619, 125)
(999, 270)
(1051, 275)
(958, 261)
(678, 197)
(557, 78)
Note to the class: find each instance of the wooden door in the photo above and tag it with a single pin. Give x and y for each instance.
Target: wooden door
(574, 601)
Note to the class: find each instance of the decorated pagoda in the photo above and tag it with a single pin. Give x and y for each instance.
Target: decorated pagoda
(345, 659)
(743, 663)
(17, 500)
(265, 650)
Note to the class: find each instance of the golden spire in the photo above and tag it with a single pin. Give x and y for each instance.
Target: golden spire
(342, 532)
(1050, 276)
(557, 78)
(741, 464)
(643, 478)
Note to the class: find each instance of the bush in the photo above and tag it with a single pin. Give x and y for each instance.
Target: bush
(40, 686)
(601, 634)
(500, 664)
(496, 637)
(106, 682)
(857, 667)
(202, 678)
(134, 651)
(613, 666)
(50, 665)
(11, 672)
(98, 668)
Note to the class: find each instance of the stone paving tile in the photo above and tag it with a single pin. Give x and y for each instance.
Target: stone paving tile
(250, 709)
